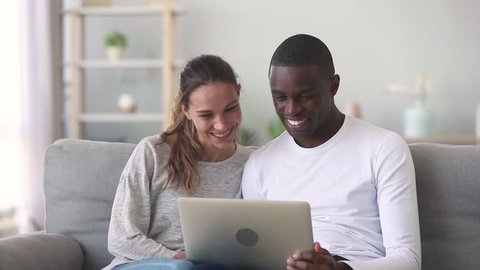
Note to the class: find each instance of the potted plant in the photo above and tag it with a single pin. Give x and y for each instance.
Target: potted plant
(115, 44)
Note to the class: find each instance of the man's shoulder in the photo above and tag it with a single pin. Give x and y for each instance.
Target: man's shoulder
(367, 135)
(362, 127)
(272, 146)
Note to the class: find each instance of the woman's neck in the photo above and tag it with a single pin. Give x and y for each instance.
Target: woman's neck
(211, 154)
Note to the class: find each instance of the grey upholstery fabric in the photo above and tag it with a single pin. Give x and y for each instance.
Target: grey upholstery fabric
(40, 251)
(81, 178)
(448, 188)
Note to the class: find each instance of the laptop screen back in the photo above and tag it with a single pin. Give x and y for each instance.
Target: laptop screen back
(245, 234)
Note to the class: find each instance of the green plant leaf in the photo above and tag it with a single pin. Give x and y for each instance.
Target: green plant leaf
(115, 39)
(275, 127)
(247, 137)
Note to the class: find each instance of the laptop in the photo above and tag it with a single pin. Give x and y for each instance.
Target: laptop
(244, 234)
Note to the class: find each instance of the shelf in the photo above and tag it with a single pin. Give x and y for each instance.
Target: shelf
(121, 11)
(78, 63)
(446, 139)
(121, 117)
(123, 63)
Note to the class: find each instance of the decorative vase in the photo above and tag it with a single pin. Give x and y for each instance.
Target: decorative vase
(126, 103)
(418, 120)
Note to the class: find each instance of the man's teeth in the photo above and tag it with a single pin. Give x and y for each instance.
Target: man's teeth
(295, 123)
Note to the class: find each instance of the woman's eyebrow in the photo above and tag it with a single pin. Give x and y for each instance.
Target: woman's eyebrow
(228, 105)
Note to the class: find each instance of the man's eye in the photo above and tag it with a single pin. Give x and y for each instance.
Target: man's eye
(305, 96)
(280, 97)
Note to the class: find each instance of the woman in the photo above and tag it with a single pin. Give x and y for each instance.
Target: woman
(196, 156)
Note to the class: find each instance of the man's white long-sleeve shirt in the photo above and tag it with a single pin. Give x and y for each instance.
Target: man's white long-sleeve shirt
(361, 188)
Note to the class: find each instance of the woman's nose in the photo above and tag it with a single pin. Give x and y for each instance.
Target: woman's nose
(220, 123)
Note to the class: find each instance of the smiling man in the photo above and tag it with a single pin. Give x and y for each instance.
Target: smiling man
(358, 178)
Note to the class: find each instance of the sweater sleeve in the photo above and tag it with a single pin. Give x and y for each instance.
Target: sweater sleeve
(397, 204)
(131, 211)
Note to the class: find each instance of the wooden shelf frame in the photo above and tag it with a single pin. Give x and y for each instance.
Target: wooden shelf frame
(78, 64)
(445, 139)
(120, 117)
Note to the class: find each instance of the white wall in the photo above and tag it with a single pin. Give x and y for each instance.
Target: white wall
(374, 43)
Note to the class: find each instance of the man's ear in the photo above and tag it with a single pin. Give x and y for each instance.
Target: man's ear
(186, 111)
(334, 84)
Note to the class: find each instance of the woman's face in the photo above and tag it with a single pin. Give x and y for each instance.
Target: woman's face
(215, 111)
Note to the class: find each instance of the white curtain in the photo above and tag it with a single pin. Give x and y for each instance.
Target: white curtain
(11, 157)
(41, 109)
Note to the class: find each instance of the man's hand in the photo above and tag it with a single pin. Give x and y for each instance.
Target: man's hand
(180, 256)
(317, 258)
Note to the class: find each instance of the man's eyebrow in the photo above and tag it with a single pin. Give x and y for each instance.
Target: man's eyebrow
(274, 91)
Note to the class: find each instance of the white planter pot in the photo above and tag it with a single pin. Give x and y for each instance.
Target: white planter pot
(114, 53)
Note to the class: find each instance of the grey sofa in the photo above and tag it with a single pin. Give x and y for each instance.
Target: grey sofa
(81, 178)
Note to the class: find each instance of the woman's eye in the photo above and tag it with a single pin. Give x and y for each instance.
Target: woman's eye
(205, 116)
(229, 109)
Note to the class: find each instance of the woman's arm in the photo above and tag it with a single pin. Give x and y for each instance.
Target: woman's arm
(131, 211)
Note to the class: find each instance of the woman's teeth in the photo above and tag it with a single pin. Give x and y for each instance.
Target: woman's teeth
(221, 135)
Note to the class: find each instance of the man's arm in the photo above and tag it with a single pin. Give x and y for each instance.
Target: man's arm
(398, 211)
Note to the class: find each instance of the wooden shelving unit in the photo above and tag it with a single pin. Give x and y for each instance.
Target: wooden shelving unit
(78, 64)
(445, 139)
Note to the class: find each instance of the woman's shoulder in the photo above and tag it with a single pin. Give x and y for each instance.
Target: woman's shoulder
(152, 143)
(247, 150)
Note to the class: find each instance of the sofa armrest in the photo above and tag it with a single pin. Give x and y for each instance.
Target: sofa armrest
(40, 251)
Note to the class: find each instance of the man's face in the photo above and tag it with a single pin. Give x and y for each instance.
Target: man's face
(303, 99)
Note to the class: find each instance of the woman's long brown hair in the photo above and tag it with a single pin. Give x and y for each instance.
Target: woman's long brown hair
(182, 135)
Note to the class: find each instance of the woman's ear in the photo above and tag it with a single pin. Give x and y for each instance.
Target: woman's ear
(186, 111)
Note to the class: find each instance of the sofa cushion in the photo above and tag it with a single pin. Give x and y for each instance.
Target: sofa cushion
(448, 187)
(40, 250)
(81, 179)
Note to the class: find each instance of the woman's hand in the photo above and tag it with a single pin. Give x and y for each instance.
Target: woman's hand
(180, 256)
(317, 258)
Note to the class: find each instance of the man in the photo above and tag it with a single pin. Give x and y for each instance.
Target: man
(359, 179)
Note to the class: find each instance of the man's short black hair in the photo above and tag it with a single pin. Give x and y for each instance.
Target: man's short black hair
(303, 50)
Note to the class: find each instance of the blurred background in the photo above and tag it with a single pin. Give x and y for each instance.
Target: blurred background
(409, 66)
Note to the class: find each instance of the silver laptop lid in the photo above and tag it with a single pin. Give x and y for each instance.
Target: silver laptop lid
(245, 234)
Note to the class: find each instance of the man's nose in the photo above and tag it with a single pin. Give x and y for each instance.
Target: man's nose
(291, 107)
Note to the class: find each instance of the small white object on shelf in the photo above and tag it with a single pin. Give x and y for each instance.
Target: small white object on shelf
(127, 103)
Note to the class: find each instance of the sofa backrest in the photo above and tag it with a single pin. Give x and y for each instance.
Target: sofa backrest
(448, 188)
(81, 179)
